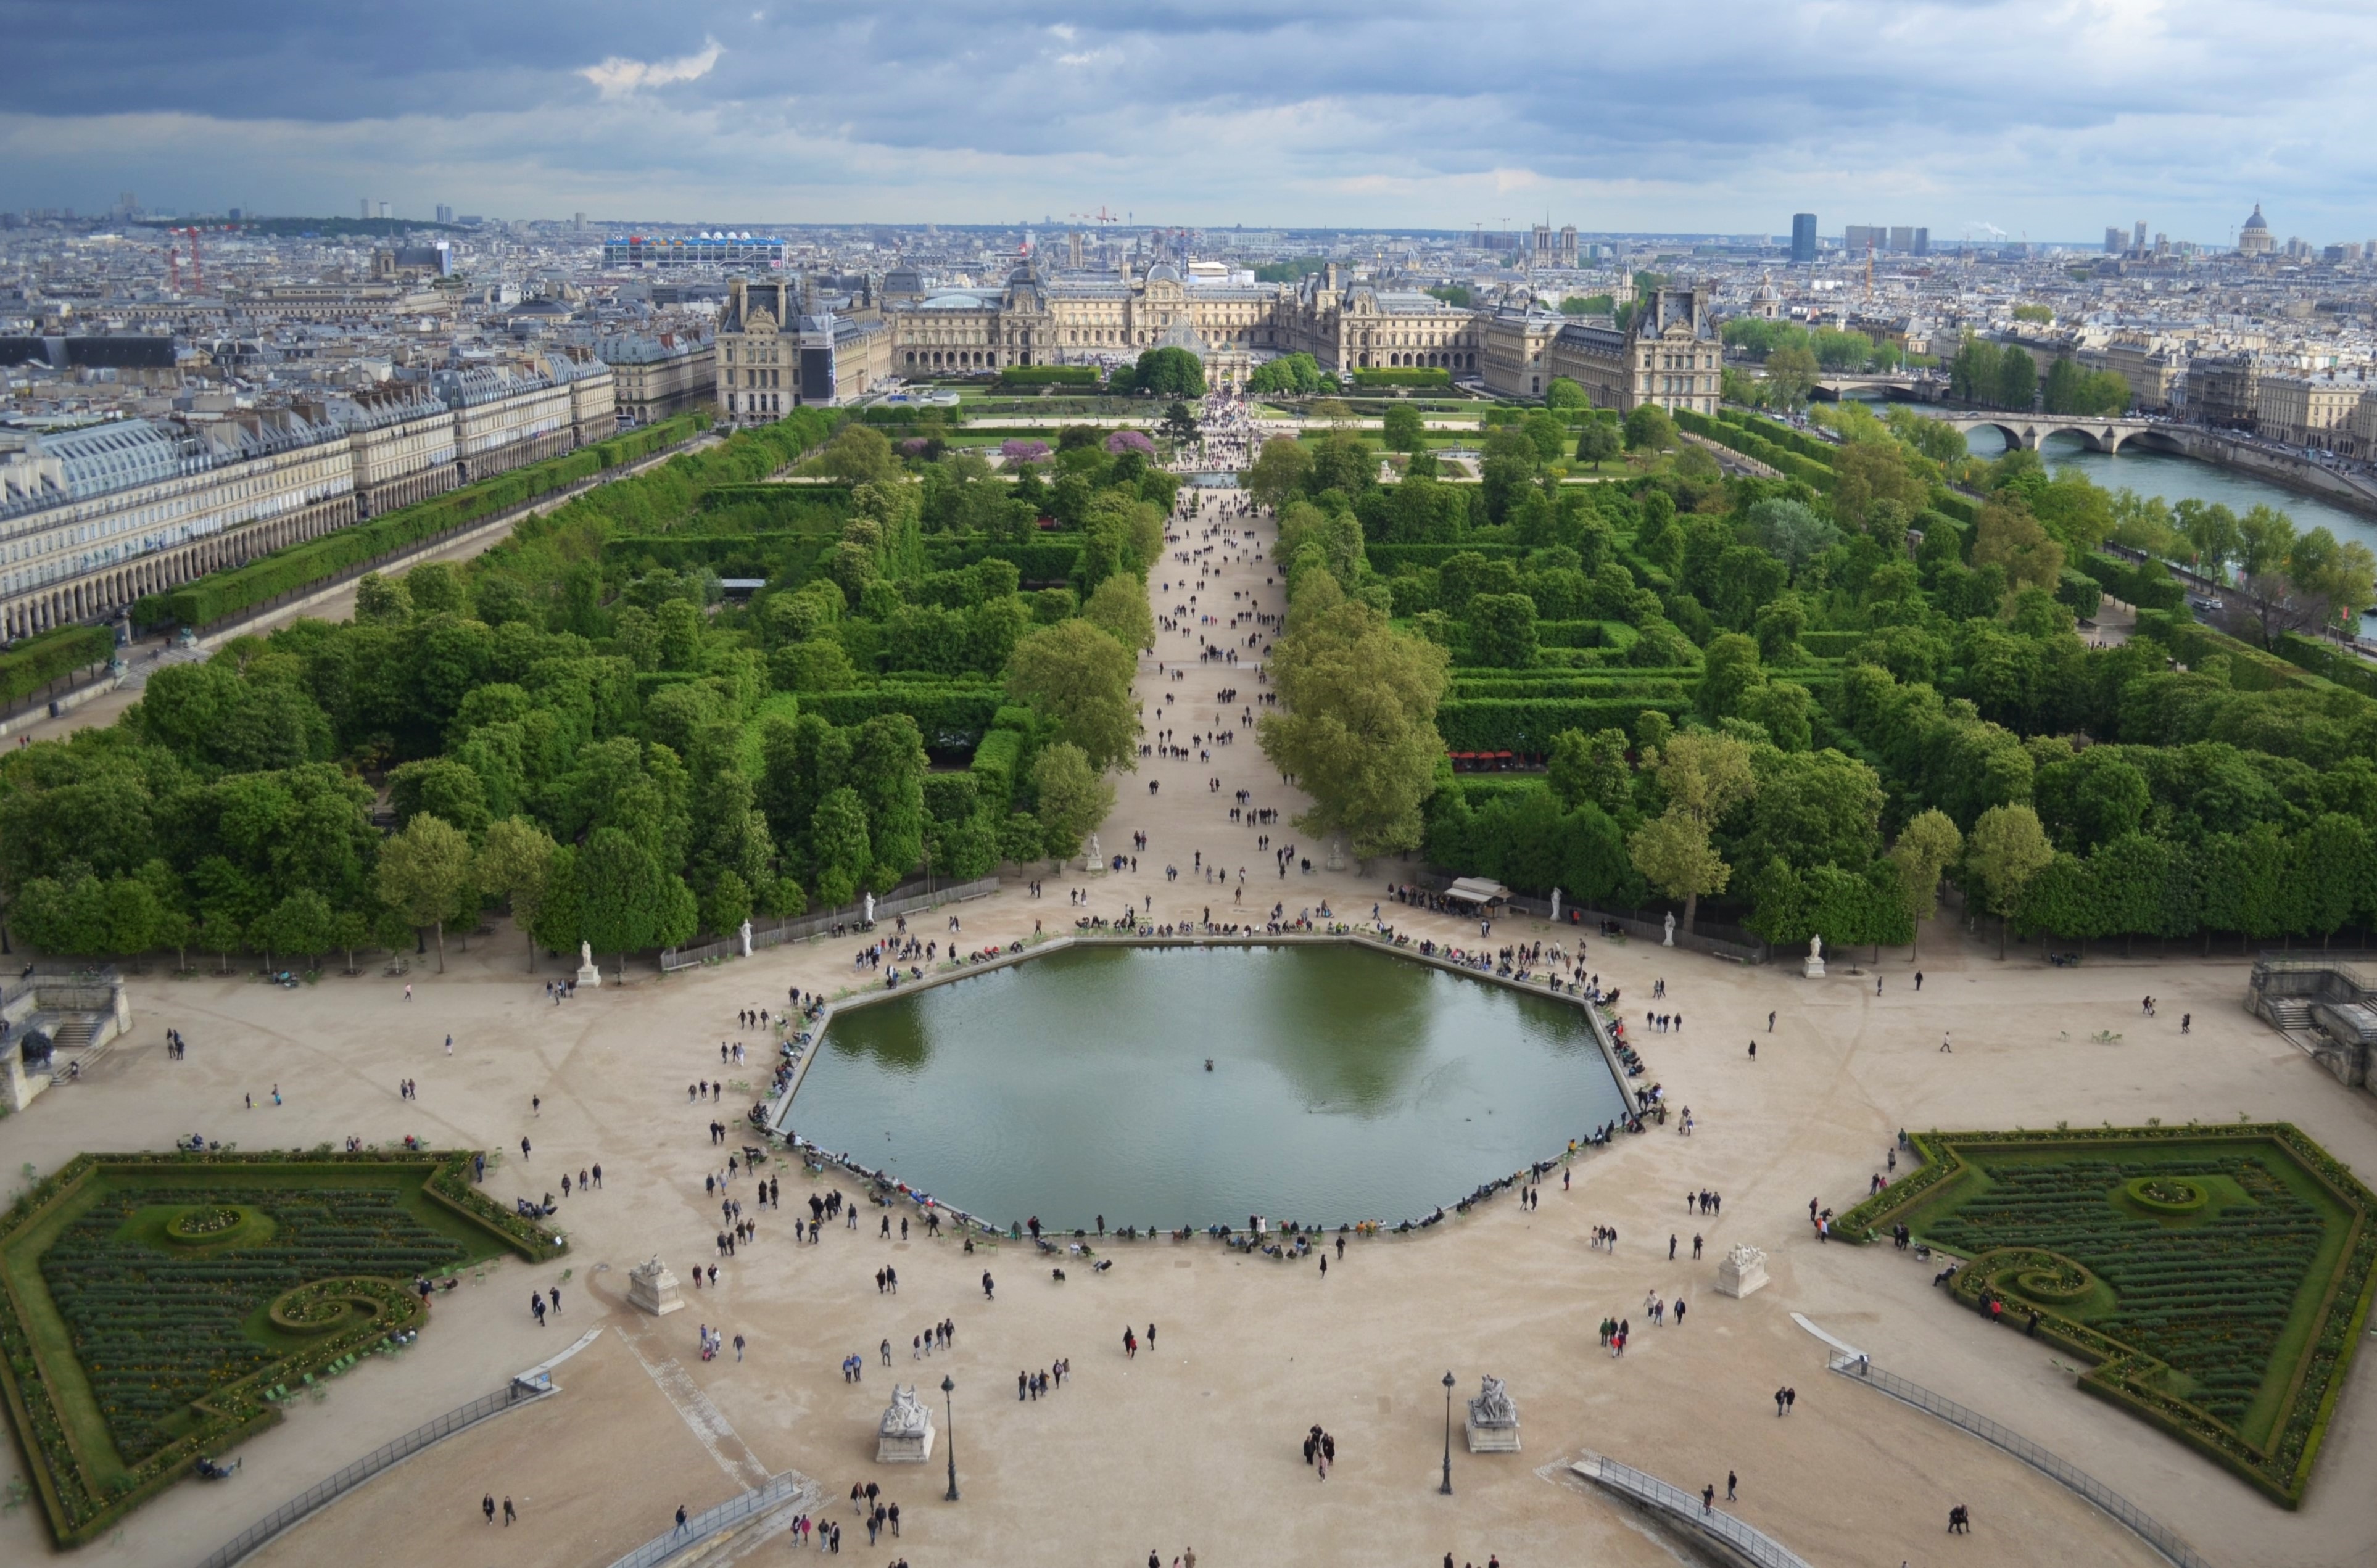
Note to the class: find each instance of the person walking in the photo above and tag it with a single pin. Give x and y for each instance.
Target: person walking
(509, 1514)
(680, 1516)
(1731, 1480)
(487, 1506)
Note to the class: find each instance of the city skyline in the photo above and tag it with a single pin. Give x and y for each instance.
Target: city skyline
(1946, 116)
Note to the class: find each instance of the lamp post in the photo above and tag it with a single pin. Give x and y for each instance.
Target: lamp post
(1447, 1488)
(949, 1436)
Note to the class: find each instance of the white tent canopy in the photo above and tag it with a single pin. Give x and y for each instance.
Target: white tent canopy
(1476, 890)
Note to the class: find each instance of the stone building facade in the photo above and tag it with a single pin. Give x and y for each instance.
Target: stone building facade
(2305, 410)
(1668, 354)
(95, 517)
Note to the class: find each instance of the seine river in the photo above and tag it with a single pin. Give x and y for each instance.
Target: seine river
(2174, 479)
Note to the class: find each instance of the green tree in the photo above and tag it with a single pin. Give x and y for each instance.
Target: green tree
(1792, 530)
(1597, 441)
(514, 864)
(2009, 536)
(858, 454)
(1169, 372)
(1704, 776)
(1180, 424)
(1563, 393)
(1502, 630)
(1074, 797)
(623, 894)
(1593, 768)
(1356, 725)
(2005, 851)
(1791, 375)
(1927, 846)
(1278, 471)
(424, 871)
(2017, 385)
(1118, 607)
(1401, 428)
(1079, 676)
(840, 850)
(303, 923)
(1650, 428)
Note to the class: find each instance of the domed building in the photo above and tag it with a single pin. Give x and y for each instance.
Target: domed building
(2253, 239)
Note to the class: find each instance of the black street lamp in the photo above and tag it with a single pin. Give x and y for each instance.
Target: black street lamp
(1447, 1488)
(949, 1436)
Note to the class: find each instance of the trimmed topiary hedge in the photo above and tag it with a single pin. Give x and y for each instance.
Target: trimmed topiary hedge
(36, 662)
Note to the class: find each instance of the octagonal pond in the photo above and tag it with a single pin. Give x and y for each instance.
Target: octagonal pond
(1347, 1083)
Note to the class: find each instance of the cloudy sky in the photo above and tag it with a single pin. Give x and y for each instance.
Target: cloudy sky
(2049, 118)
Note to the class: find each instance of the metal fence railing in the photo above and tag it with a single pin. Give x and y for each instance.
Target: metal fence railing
(903, 901)
(700, 1527)
(510, 1396)
(1686, 1508)
(2123, 1512)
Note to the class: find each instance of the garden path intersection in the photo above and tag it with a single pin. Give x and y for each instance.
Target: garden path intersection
(1137, 1450)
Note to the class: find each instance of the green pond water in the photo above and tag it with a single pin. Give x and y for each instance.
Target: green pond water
(1347, 1085)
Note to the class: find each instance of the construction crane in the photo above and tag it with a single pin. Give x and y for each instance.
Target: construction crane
(198, 268)
(172, 270)
(1103, 215)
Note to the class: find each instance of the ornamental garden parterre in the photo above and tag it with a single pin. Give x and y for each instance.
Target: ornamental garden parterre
(156, 1308)
(2217, 1278)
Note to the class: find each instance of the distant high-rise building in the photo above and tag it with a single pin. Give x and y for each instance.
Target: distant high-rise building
(578, 222)
(383, 209)
(2112, 241)
(237, 214)
(1803, 237)
(1922, 241)
(445, 213)
(127, 204)
(2138, 237)
(365, 214)
(1902, 239)
(1860, 237)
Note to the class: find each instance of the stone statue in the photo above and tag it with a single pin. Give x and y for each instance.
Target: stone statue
(906, 1435)
(1816, 948)
(907, 1416)
(870, 909)
(1095, 859)
(1493, 1424)
(1814, 967)
(1742, 1272)
(587, 975)
(1556, 901)
(746, 934)
(652, 1288)
(1670, 940)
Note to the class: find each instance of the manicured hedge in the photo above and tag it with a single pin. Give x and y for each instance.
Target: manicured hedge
(1404, 375)
(36, 662)
(996, 762)
(1388, 559)
(959, 713)
(2205, 1302)
(2324, 658)
(1756, 442)
(220, 595)
(1048, 375)
(1528, 724)
(2148, 585)
(1040, 559)
(2080, 591)
(1963, 508)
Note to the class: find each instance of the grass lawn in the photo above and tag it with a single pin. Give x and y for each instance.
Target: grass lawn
(2216, 1276)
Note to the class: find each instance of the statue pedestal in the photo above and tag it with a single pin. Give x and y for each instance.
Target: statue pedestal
(1491, 1437)
(1813, 968)
(1743, 1272)
(904, 1448)
(589, 976)
(652, 1288)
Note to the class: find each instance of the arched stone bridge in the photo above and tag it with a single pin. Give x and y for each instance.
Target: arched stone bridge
(2026, 431)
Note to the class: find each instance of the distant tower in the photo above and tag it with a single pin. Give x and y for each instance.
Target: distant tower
(365, 214)
(2138, 237)
(1803, 238)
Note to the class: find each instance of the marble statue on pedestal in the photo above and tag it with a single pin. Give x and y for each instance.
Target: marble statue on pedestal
(587, 975)
(906, 1434)
(1742, 1272)
(870, 909)
(1556, 903)
(746, 934)
(1669, 940)
(1493, 1422)
(652, 1288)
(1814, 968)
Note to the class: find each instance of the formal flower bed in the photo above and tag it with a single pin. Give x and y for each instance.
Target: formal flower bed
(2229, 1323)
(186, 1327)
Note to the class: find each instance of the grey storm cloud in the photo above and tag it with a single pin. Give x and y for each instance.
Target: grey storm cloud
(2050, 115)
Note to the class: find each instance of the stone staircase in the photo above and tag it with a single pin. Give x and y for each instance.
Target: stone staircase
(2289, 1013)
